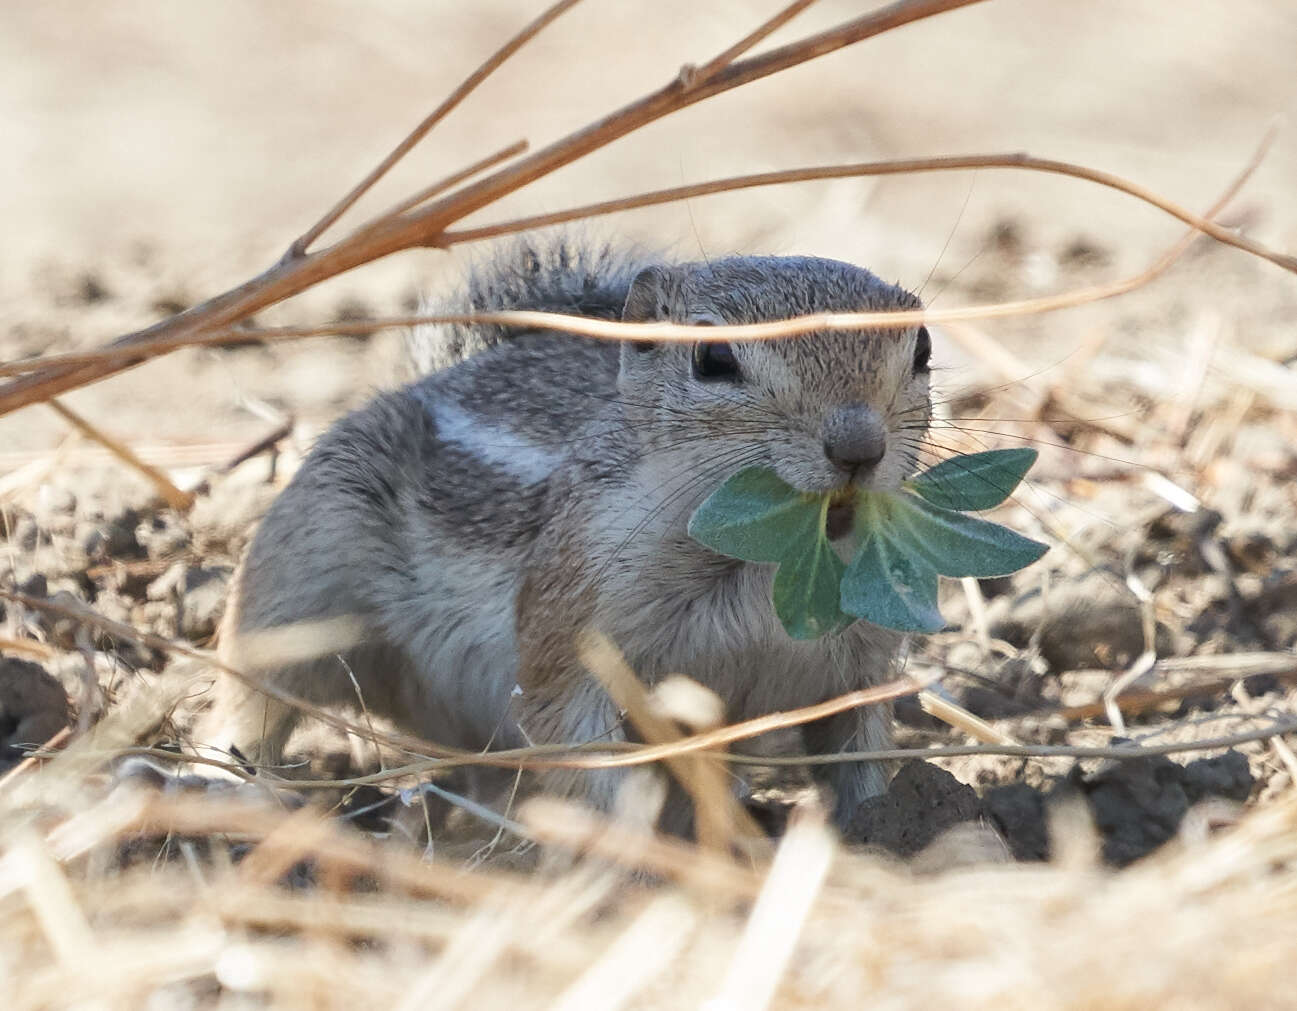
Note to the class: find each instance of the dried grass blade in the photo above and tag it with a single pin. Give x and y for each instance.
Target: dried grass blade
(466, 88)
(179, 500)
(716, 64)
(424, 227)
(719, 817)
(642, 952)
(800, 867)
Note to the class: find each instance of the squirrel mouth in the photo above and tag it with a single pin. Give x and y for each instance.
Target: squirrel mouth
(841, 512)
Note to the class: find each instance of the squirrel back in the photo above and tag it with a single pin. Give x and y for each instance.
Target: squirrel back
(550, 274)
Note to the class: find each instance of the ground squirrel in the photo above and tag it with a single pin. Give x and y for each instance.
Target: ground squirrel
(464, 529)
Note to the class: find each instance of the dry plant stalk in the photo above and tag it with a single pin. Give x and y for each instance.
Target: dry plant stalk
(961, 719)
(817, 927)
(425, 226)
(107, 361)
(409, 224)
(179, 500)
(720, 819)
(466, 88)
(779, 914)
(610, 754)
(592, 756)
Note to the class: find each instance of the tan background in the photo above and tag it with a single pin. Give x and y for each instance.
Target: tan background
(157, 152)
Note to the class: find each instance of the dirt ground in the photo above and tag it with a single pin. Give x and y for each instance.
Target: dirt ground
(155, 154)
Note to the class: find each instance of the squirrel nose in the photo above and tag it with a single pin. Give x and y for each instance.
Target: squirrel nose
(854, 438)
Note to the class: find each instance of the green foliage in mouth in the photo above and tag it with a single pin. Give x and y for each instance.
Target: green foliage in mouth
(905, 540)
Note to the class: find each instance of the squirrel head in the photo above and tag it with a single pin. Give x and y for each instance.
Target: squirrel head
(825, 410)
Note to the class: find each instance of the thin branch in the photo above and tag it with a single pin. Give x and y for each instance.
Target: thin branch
(267, 442)
(601, 755)
(449, 182)
(1014, 160)
(469, 85)
(108, 360)
(427, 225)
(179, 500)
(598, 755)
(479, 811)
(1232, 668)
(626, 753)
(667, 332)
(699, 75)
(104, 360)
(568, 756)
(424, 226)
(83, 614)
(1121, 752)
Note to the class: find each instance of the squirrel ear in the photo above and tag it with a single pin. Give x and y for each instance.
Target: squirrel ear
(649, 296)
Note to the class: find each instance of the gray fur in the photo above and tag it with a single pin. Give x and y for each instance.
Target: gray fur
(556, 276)
(476, 521)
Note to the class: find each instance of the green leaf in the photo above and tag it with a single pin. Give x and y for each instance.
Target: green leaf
(974, 481)
(957, 545)
(906, 540)
(807, 585)
(755, 516)
(891, 587)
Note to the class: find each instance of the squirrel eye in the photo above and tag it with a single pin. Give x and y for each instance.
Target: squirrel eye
(715, 361)
(922, 350)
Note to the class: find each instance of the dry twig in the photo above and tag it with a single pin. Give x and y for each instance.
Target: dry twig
(469, 85)
(426, 226)
(106, 361)
(179, 500)
(720, 818)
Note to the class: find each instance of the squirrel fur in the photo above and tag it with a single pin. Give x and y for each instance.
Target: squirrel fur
(465, 530)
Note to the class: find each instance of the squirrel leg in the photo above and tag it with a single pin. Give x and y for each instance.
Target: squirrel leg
(258, 727)
(245, 724)
(556, 700)
(583, 713)
(867, 729)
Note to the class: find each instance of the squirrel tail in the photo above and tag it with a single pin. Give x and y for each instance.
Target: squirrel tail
(550, 274)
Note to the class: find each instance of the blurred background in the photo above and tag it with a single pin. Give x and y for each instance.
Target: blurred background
(156, 153)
